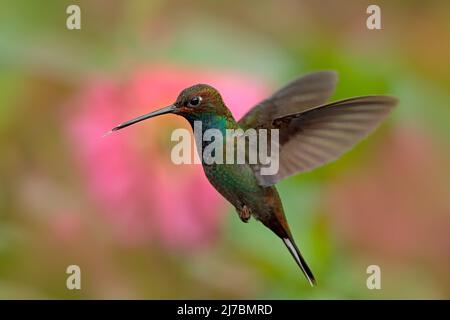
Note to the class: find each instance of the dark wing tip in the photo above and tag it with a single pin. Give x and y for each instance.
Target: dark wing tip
(324, 76)
(331, 73)
(382, 100)
(393, 101)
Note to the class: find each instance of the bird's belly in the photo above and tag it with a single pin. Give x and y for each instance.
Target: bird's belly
(235, 182)
(239, 186)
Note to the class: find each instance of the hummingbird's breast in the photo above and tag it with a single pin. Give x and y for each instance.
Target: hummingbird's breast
(238, 184)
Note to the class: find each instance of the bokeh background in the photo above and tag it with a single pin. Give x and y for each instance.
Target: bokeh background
(141, 227)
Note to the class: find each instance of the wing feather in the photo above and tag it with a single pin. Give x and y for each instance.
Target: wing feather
(300, 94)
(319, 135)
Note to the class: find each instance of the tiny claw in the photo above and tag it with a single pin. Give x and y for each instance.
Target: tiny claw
(244, 213)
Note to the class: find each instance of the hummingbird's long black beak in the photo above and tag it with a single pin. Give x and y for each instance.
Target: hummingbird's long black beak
(156, 113)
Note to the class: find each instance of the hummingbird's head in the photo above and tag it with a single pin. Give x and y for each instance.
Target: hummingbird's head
(192, 103)
(200, 99)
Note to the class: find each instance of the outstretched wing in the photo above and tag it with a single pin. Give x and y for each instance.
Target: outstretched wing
(302, 93)
(319, 135)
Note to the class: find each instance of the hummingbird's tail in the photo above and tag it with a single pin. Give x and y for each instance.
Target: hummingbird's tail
(290, 244)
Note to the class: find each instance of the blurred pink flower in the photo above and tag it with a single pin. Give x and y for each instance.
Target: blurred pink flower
(129, 175)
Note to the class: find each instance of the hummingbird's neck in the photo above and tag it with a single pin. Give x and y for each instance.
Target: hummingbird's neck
(200, 123)
(213, 121)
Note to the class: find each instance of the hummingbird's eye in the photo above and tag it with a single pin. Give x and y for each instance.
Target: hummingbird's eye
(195, 101)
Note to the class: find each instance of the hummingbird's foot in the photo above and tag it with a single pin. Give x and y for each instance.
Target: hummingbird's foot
(244, 213)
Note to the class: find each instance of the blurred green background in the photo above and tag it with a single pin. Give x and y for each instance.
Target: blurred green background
(138, 227)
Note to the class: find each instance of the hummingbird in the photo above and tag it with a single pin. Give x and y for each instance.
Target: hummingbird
(312, 132)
